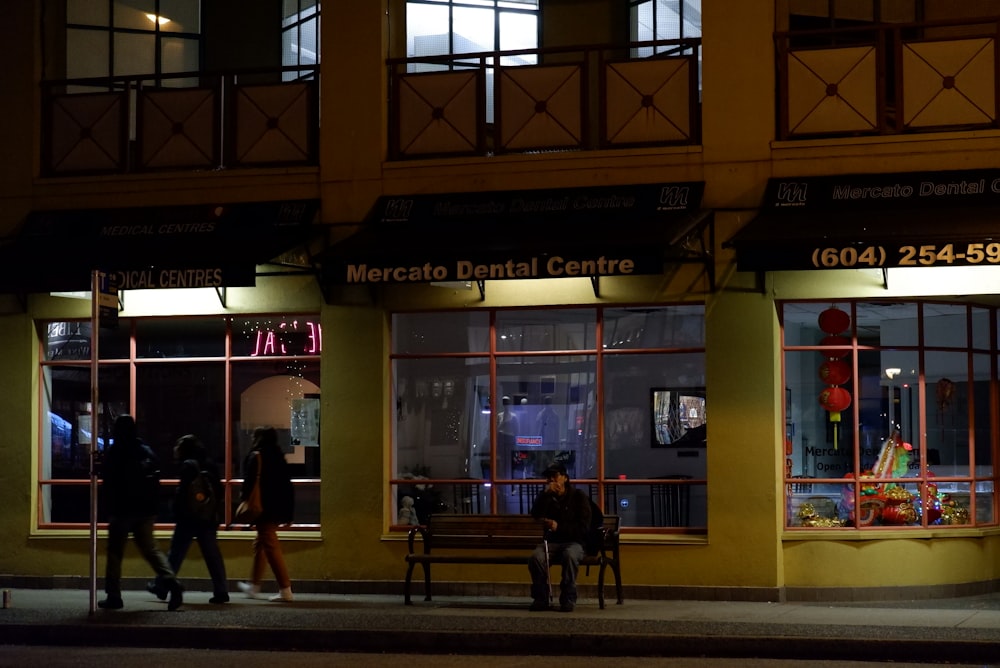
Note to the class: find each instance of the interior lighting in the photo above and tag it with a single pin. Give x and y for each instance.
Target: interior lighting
(158, 20)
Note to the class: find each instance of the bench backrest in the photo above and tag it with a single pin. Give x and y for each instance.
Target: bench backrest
(520, 532)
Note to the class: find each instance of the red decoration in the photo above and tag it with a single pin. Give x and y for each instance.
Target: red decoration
(835, 399)
(834, 372)
(834, 340)
(834, 321)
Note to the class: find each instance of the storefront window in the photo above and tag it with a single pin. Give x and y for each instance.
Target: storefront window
(485, 401)
(887, 415)
(172, 374)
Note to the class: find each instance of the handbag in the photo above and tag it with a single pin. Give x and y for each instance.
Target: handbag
(250, 508)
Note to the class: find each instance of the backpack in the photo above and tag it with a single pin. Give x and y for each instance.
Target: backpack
(595, 535)
(200, 501)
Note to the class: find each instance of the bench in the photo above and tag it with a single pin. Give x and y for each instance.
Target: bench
(498, 539)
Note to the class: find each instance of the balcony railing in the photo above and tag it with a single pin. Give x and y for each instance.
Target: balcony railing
(183, 121)
(888, 79)
(541, 100)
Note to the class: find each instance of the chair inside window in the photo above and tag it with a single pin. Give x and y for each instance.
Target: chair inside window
(526, 494)
(466, 499)
(671, 502)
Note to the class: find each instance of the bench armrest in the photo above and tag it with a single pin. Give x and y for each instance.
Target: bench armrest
(412, 534)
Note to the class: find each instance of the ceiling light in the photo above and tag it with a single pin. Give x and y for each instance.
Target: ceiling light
(159, 20)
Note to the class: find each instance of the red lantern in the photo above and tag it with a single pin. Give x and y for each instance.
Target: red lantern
(835, 372)
(834, 340)
(835, 399)
(834, 321)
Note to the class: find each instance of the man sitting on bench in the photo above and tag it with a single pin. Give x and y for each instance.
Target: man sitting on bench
(565, 512)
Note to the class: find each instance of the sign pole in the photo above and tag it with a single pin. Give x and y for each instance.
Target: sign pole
(95, 322)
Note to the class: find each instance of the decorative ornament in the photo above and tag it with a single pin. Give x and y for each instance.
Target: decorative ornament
(834, 321)
(834, 371)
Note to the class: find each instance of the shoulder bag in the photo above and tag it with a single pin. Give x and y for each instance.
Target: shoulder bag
(250, 508)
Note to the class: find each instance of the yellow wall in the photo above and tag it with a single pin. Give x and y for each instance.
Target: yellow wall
(746, 545)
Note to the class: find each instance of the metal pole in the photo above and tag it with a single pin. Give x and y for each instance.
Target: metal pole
(95, 322)
(548, 574)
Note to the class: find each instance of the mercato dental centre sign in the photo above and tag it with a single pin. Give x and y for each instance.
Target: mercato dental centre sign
(553, 233)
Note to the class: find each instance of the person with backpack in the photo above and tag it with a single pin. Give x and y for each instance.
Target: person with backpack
(565, 512)
(197, 507)
(265, 466)
(131, 486)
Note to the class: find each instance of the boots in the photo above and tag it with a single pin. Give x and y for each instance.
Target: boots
(284, 594)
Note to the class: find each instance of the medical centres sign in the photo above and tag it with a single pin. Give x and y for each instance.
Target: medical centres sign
(553, 233)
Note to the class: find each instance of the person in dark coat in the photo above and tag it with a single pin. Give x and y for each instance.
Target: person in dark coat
(565, 512)
(131, 477)
(278, 502)
(192, 456)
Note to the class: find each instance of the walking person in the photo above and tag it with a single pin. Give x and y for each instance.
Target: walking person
(565, 511)
(278, 501)
(131, 475)
(196, 513)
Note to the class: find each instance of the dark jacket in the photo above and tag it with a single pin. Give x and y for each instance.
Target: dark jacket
(131, 474)
(570, 510)
(276, 494)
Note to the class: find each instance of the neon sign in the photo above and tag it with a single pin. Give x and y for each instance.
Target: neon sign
(289, 338)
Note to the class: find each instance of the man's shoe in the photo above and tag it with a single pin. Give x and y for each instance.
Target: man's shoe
(567, 607)
(251, 590)
(111, 603)
(156, 590)
(219, 599)
(176, 596)
(539, 605)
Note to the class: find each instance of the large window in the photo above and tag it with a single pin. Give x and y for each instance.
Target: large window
(652, 20)
(888, 415)
(486, 400)
(454, 27)
(120, 38)
(218, 378)
(299, 35)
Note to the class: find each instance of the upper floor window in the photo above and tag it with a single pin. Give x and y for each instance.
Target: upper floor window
(299, 35)
(663, 19)
(132, 37)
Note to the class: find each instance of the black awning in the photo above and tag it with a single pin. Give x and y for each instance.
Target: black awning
(601, 231)
(879, 221)
(210, 245)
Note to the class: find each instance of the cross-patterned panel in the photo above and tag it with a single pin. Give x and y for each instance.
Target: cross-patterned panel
(832, 91)
(439, 113)
(949, 83)
(178, 128)
(540, 107)
(86, 133)
(648, 102)
(274, 124)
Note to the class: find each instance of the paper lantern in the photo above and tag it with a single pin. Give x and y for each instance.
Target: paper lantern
(835, 399)
(835, 372)
(834, 340)
(834, 321)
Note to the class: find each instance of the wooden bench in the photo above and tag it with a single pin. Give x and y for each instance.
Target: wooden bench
(498, 539)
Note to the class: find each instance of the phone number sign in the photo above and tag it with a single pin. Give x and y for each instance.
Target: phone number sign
(875, 255)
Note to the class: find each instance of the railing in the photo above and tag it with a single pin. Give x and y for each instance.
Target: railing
(888, 79)
(541, 100)
(183, 121)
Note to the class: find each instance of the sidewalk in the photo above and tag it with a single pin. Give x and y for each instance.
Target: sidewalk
(929, 631)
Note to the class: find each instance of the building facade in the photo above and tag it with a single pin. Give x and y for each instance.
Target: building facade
(441, 245)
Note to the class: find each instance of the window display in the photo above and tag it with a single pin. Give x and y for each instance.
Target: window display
(899, 432)
(487, 400)
(173, 375)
